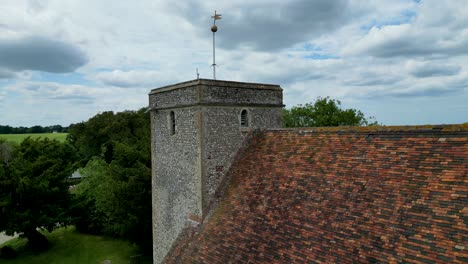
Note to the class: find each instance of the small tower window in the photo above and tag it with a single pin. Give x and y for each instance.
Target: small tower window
(172, 122)
(244, 118)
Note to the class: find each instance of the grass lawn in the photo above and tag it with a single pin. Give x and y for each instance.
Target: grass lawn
(19, 137)
(69, 246)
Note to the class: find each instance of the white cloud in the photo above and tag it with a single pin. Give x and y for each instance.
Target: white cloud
(67, 103)
(48, 92)
(426, 69)
(2, 95)
(378, 56)
(132, 78)
(438, 29)
(6, 74)
(40, 54)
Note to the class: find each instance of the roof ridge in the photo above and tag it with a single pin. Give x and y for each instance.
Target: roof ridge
(424, 129)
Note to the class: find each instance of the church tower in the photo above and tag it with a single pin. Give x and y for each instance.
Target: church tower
(196, 129)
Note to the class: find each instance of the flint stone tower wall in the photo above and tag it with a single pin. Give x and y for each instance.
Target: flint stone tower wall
(197, 128)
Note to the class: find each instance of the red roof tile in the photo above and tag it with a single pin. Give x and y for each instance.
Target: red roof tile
(341, 195)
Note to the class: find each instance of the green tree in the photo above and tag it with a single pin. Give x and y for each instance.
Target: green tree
(33, 189)
(97, 136)
(116, 199)
(324, 112)
(115, 196)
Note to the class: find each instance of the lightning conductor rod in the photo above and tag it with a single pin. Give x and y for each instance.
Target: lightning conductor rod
(214, 28)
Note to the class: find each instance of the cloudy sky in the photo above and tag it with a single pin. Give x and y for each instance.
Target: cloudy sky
(404, 62)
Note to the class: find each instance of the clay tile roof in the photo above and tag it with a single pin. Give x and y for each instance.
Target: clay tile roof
(341, 195)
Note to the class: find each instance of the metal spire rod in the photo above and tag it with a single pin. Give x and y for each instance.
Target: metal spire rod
(214, 56)
(214, 28)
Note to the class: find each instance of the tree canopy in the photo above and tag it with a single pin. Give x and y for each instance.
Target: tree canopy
(34, 129)
(97, 136)
(33, 188)
(114, 197)
(324, 112)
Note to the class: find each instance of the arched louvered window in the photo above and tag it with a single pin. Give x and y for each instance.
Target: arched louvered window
(244, 118)
(172, 123)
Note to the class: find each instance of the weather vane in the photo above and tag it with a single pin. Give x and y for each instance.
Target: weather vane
(214, 28)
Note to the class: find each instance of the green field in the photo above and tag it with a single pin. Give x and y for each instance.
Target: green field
(71, 247)
(18, 138)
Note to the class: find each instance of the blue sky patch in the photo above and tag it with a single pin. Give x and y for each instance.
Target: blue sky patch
(318, 56)
(405, 17)
(311, 47)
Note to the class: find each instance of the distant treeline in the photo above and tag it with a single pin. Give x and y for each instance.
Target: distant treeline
(33, 129)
